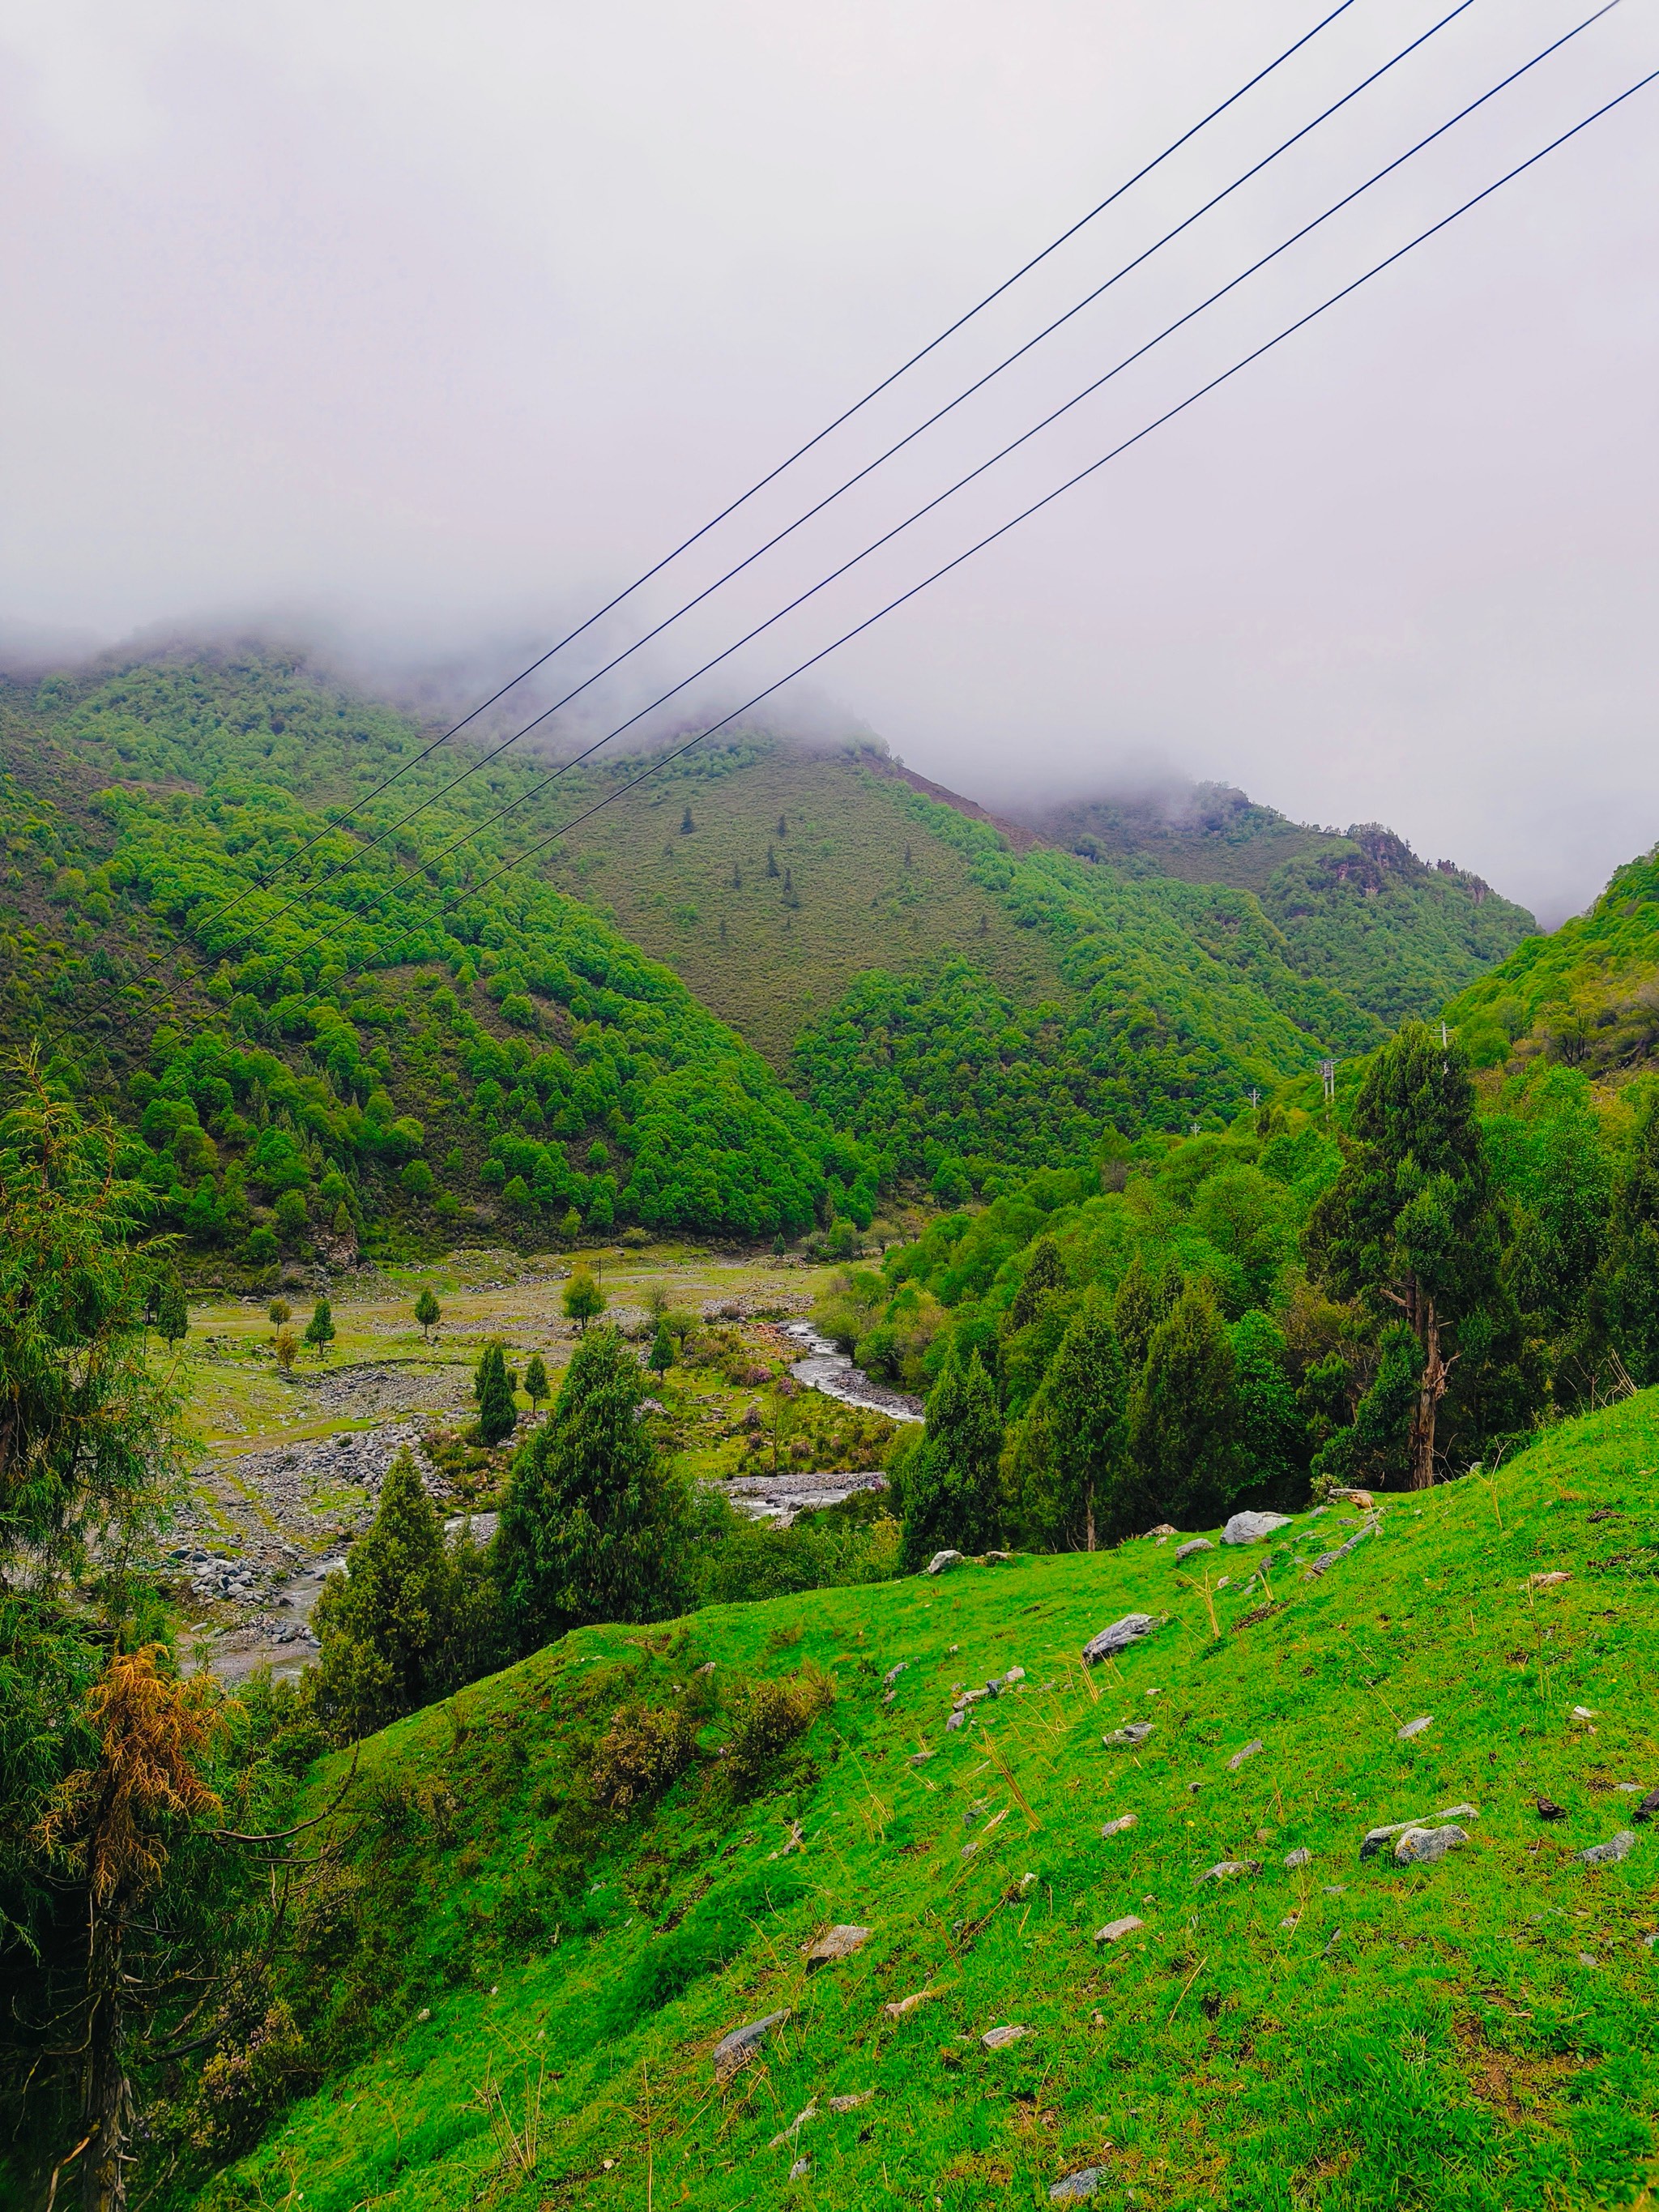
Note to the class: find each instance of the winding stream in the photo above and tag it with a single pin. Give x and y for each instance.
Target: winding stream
(832, 1372)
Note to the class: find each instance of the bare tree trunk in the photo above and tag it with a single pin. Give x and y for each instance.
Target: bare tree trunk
(107, 2111)
(1431, 1390)
(1091, 1494)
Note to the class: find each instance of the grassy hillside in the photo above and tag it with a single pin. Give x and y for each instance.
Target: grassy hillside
(1587, 993)
(504, 1990)
(1360, 911)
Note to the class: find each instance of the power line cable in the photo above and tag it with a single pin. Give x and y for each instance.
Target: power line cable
(666, 760)
(486, 759)
(845, 416)
(1284, 246)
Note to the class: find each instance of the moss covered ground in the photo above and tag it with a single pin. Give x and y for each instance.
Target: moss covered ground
(515, 1995)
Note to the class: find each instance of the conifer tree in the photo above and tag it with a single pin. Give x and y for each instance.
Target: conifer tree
(952, 1496)
(662, 1349)
(1145, 1298)
(1183, 1415)
(428, 1313)
(1045, 1279)
(1410, 1224)
(1071, 1478)
(591, 1522)
(319, 1329)
(1271, 1432)
(389, 1625)
(493, 1389)
(535, 1380)
(172, 1314)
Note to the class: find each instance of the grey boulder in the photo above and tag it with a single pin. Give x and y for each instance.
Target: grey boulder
(1619, 1847)
(1136, 1732)
(1422, 1846)
(1198, 1544)
(1118, 1637)
(734, 2053)
(837, 1943)
(1251, 1527)
(941, 1561)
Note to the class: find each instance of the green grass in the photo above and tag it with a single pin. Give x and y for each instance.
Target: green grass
(1426, 2037)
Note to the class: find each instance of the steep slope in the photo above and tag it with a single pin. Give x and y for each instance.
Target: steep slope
(363, 1045)
(501, 1987)
(1360, 911)
(1587, 993)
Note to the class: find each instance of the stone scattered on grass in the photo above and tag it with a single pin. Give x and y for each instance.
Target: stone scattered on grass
(1327, 1560)
(1300, 1857)
(956, 1720)
(893, 1673)
(1422, 1846)
(901, 2006)
(1114, 1929)
(1248, 1751)
(1584, 1713)
(1289, 1921)
(1648, 1805)
(801, 2169)
(1123, 1820)
(1118, 1637)
(851, 2102)
(1162, 1533)
(789, 2134)
(1413, 1728)
(996, 2039)
(837, 1943)
(1071, 2186)
(1617, 1847)
(1135, 1732)
(1376, 1838)
(1225, 1869)
(1251, 1527)
(942, 1562)
(1198, 1544)
(1354, 1497)
(734, 2051)
(1552, 1580)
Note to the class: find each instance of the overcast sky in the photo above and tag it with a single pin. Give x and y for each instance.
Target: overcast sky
(429, 327)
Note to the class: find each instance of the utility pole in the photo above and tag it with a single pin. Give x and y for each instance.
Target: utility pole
(1328, 1075)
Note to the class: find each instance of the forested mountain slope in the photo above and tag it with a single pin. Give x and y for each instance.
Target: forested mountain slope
(1587, 994)
(1361, 911)
(1123, 1923)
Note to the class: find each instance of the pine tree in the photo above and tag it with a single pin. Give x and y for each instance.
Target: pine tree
(1410, 1224)
(662, 1349)
(172, 1315)
(1272, 1433)
(686, 825)
(428, 1313)
(535, 1380)
(1632, 1299)
(1071, 1475)
(952, 1496)
(1145, 1298)
(319, 1329)
(1183, 1416)
(493, 1389)
(590, 1524)
(388, 1626)
(771, 862)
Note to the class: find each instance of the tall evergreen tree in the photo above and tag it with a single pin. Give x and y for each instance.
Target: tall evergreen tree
(1271, 1432)
(1070, 1469)
(535, 1380)
(319, 1329)
(1410, 1224)
(493, 1389)
(1145, 1298)
(389, 1626)
(1632, 1299)
(952, 1487)
(584, 1301)
(1183, 1415)
(591, 1522)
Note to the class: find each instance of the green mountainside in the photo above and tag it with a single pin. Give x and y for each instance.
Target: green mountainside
(1587, 994)
(1151, 1871)
(1361, 911)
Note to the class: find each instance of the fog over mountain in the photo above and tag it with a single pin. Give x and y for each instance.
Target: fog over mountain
(418, 334)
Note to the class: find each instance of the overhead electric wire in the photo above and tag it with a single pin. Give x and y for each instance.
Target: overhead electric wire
(845, 416)
(475, 890)
(1284, 246)
(367, 844)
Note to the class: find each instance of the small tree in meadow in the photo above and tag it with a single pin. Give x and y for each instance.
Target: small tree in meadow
(535, 1380)
(428, 1313)
(172, 1315)
(319, 1329)
(662, 1349)
(287, 1348)
(280, 1311)
(584, 1301)
(492, 1387)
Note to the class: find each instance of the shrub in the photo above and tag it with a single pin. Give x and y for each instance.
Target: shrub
(641, 1755)
(262, 1250)
(244, 2086)
(766, 1718)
